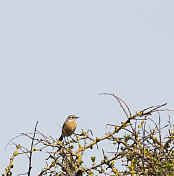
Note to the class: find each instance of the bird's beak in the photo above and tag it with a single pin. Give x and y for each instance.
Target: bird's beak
(77, 117)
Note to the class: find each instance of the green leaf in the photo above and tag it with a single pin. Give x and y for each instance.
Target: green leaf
(93, 159)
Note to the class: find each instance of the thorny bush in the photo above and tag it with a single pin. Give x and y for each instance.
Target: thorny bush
(141, 150)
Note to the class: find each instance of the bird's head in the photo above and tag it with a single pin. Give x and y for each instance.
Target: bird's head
(72, 118)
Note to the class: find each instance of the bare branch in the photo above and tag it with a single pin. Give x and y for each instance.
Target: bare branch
(31, 150)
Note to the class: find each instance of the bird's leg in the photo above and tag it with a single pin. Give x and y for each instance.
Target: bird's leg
(72, 139)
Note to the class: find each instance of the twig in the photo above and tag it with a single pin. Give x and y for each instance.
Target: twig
(119, 100)
(29, 169)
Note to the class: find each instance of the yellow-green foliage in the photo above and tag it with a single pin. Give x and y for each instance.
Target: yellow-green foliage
(141, 150)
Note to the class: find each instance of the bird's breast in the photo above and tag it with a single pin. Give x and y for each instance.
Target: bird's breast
(68, 128)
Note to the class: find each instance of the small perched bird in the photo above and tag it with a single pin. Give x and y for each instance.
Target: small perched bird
(69, 127)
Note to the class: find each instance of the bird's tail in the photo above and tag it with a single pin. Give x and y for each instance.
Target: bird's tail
(61, 138)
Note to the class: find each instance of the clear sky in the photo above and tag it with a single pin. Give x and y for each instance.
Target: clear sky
(57, 56)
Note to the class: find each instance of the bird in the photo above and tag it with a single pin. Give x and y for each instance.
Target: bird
(68, 127)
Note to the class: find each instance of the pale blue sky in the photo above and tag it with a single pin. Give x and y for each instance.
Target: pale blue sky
(57, 56)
